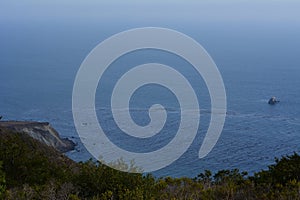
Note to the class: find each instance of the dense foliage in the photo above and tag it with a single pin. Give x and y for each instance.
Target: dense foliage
(32, 170)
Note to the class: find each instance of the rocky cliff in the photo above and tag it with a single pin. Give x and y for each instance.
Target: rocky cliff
(41, 131)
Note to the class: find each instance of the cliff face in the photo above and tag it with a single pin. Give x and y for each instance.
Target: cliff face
(41, 131)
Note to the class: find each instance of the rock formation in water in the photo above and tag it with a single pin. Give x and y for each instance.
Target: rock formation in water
(273, 101)
(41, 131)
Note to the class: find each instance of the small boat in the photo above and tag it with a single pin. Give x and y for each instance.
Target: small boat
(273, 101)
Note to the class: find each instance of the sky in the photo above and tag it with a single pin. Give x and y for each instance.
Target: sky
(213, 23)
(151, 12)
(207, 21)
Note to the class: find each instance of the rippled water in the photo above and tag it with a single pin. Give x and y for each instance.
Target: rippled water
(37, 77)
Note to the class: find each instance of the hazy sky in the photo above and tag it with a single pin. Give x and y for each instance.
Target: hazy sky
(154, 11)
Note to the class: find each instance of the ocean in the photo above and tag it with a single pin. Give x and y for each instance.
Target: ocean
(39, 62)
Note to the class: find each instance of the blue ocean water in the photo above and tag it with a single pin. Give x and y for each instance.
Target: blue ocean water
(38, 65)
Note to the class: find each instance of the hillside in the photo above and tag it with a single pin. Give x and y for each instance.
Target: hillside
(33, 170)
(41, 131)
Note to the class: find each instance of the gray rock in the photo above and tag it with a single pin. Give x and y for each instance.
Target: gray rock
(273, 101)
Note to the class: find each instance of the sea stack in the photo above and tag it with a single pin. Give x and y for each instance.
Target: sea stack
(273, 101)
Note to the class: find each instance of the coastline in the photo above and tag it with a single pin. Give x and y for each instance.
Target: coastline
(41, 131)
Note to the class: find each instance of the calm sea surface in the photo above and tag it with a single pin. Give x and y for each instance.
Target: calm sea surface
(38, 65)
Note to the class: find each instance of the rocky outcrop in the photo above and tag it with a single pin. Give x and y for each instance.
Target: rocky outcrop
(273, 101)
(41, 131)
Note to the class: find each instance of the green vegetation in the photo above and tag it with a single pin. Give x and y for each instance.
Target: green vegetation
(32, 170)
(2, 182)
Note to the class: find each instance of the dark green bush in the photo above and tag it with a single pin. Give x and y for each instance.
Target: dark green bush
(2, 182)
